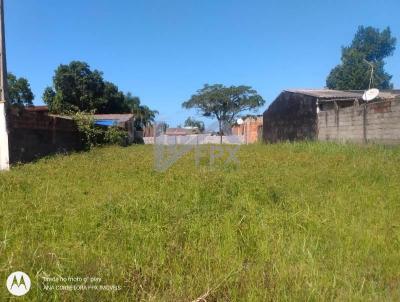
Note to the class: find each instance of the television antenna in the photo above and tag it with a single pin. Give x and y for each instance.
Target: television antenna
(371, 93)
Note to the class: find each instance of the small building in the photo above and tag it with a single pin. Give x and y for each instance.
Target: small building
(113, 119)
(192, 130)
(177, 132)
(305, 114)
(124, 121)
(251, 129)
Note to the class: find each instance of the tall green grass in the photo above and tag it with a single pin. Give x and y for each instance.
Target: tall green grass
(304, 221)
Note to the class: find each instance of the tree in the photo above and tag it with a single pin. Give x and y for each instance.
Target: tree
(369, 46)
(131, 102)
(163, 126)
(75, 88)
(144, 116)
(19, 91)
(191, 122)
(224, 103)
(113, 100)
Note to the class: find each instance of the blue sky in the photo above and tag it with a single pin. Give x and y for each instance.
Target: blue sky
(164, 50)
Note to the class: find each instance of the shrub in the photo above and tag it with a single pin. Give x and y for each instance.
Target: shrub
(94, 135)
(116, 136)
(85, 122)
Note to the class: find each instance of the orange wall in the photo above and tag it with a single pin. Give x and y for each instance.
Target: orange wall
(251, 129)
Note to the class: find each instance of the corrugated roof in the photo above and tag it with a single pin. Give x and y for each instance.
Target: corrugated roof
(329, 94)
(121, 118)
(389, 94)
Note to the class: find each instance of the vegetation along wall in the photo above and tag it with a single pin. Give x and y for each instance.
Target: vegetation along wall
(33, 135)
(374, 122)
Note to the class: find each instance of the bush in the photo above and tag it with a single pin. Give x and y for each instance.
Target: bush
(86, 125)
(95, 135)
(116, 136)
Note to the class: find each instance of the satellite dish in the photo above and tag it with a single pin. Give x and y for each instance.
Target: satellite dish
(240, 121)
(370, 94)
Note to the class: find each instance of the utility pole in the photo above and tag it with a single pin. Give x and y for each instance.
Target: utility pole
(4, 148)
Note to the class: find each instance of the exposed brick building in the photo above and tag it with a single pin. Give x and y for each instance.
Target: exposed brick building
(323, 114)
(251, 129)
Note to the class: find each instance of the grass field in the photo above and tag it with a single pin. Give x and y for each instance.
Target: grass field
(295, 222)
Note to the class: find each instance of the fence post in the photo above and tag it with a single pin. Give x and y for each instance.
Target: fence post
(365, 123)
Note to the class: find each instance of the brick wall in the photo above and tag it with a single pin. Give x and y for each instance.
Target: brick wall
(291, 117)
(374, 122)
(33, 135)
(251, 129)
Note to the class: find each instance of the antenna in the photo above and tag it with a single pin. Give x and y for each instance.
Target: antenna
(371, 78)
(371, 93)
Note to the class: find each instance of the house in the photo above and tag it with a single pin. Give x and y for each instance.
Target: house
(124, 121)
(251, 129)
(192, 130)
(113, 119)
(177, 132)
(311, 114)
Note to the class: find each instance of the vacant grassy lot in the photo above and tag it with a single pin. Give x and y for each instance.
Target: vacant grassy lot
(292, 222)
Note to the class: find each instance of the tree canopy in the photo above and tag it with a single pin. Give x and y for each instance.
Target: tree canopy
(369, 46)
(77, 88)
(19, 91)
(191, 122)
(224, 103)
(144, 116)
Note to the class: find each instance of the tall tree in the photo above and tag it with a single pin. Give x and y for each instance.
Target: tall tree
(113, 100)
(369, 46)
(19, 91)
(75, 88)
(163, 126)
(144, 116)
(191, 122)
(224, 103)
(131, 102)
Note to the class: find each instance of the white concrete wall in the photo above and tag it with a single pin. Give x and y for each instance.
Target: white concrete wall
(199, 139)
(4, 151)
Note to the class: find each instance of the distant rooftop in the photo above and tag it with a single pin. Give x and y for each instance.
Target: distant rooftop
(176, 131)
